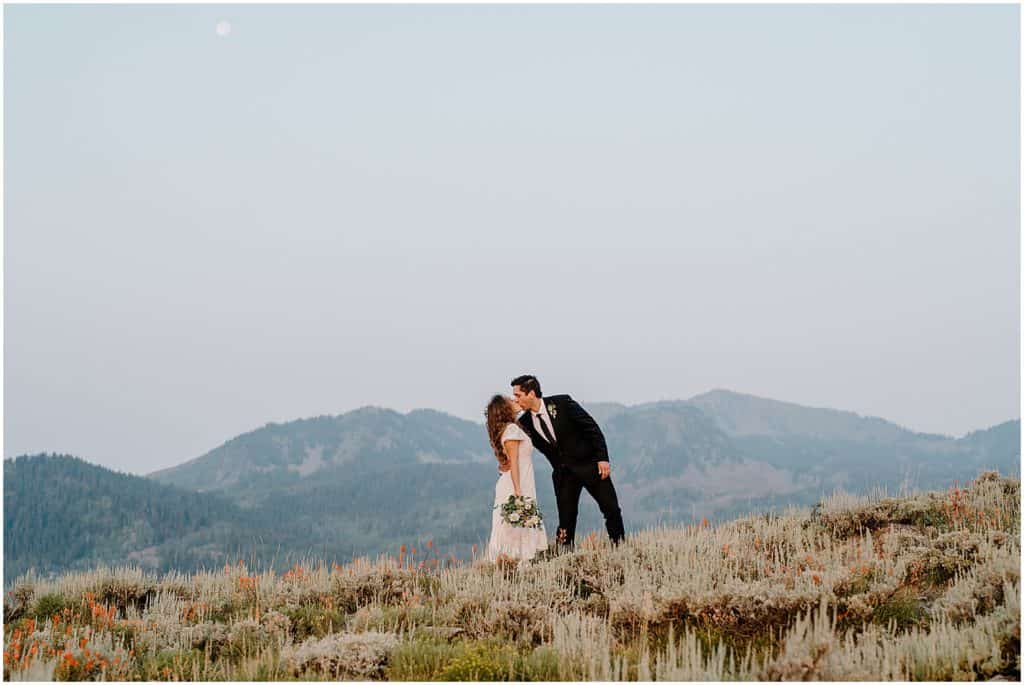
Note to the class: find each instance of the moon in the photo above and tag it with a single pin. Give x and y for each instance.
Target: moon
(223, 28)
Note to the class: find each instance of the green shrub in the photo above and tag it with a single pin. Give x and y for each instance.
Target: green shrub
(853, 584)
(929, 517)
(48, 605)
(223, 612)
(428, 585)
(311, 620)
(422, 658)
(179, 663)
(124, 633)
(481, 662)
(543, 663)
(902, 607)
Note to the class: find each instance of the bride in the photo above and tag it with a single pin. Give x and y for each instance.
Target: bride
(514, 451)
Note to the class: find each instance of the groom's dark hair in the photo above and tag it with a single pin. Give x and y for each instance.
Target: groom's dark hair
(527, 383)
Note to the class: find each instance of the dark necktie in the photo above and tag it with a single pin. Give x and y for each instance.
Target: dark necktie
(544, 429)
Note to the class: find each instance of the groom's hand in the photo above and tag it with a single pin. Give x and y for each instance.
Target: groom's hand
(604, 468)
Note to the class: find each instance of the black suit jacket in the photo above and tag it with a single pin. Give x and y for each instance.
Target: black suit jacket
(580, 441)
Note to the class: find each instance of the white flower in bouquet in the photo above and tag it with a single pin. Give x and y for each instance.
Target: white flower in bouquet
(520, 512)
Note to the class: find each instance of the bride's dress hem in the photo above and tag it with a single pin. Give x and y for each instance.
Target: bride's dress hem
(521, 544)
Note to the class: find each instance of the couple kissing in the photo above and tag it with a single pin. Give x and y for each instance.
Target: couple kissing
(575, 447)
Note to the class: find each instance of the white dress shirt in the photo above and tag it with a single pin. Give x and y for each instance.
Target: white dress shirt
(542, 415)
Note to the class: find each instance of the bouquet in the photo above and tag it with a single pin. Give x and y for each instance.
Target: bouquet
(521, 512)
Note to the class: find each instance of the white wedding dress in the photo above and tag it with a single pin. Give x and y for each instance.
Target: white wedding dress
(518, 543)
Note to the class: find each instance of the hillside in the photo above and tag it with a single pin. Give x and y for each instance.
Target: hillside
(921, 587)
(373, 479)
(61, 513)
(368, 437)
(739, 414)
(712, 438)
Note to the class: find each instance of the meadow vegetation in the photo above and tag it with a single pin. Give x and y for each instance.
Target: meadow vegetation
(917, 587)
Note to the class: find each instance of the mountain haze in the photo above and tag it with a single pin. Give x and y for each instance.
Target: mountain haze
(363, 438)
(371, 479)
(742, 415)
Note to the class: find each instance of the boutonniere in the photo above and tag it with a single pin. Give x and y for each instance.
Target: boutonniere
(553, 411)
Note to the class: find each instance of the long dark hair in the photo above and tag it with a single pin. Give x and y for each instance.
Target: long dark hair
(499, 414)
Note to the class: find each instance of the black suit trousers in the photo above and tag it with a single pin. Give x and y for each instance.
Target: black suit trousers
(569, 482)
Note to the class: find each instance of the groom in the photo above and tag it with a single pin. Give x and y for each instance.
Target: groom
(571, 440)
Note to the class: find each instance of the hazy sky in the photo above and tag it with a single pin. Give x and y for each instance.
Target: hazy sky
(320, 207)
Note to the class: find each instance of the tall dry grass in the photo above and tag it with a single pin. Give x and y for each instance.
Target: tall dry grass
(922, 586)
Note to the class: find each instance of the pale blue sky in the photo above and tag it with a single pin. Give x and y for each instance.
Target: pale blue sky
(406, 206)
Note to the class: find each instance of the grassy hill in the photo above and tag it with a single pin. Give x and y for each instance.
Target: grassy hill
(920, 587)
(372, 479)
(63, 513)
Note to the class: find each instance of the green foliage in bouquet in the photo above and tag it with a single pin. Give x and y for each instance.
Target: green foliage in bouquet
(521, 512)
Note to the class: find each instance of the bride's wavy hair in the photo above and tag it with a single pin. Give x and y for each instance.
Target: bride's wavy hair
(499, 414)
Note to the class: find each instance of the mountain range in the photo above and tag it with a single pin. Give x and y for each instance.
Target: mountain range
(369, 480)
